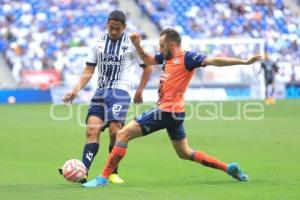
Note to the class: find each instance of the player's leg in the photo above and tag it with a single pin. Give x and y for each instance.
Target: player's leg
(270, 89)
(129, 132)
(184, 151)
(146, 123)
(114, 127)
(93, 129)
(117, 102)
(95, 124)
(272, 99)
(266, 89)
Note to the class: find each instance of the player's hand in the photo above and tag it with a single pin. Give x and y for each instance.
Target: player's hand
(254, 59)
(138, 97)
(135, 39)
(69, 97)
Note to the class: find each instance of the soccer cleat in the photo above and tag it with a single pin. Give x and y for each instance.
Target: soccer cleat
(268, 101)
(236, 172)
(84, 180)
(115, 178)
(272, 101)
(96, 182)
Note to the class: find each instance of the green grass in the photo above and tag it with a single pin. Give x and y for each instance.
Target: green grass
(33, 146)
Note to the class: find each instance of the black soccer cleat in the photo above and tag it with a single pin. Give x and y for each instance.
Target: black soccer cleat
(84, 180)
(60, 171)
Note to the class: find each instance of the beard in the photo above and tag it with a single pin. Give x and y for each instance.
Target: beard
(168, 55)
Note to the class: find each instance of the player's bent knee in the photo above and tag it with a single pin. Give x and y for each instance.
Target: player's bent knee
(92, 133)
(123, 135)
(114, 130)
(185, 155)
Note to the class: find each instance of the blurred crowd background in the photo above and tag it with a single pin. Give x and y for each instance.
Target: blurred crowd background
(42, 39)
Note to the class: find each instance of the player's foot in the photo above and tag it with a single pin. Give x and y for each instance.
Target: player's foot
(60, 171)
(272, 101)
(268, 101)
(236, 172)
(99, 181)
(84, 180)
(115, 178)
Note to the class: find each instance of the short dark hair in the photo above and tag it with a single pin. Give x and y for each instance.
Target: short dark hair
(171, 35)
(117, 15)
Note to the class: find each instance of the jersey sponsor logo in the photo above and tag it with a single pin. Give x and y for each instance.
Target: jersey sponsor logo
(110, 62)
(110, 56)
(116, 109)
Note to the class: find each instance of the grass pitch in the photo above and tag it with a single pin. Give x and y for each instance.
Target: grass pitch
(33, 146)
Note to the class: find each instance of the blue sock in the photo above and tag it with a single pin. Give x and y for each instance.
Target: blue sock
(89, 152)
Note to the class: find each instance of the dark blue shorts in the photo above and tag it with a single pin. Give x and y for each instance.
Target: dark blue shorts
(155, 119)
(109, 105)
(269, 80)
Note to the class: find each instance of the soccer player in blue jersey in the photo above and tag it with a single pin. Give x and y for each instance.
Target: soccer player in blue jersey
(114, 56)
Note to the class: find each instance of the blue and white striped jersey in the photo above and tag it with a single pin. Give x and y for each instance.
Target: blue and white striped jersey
(115, 61)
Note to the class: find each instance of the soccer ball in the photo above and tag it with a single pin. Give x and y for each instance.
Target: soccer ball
(74, 170)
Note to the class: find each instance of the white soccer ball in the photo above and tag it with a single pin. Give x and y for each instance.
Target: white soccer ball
(11, 100)
(74, 170)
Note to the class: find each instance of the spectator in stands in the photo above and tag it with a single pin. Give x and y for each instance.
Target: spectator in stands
(32, 32)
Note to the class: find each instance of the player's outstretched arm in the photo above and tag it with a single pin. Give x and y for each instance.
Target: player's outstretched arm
(138, 97)
(145, 57)
(222, 62)
(84, 79)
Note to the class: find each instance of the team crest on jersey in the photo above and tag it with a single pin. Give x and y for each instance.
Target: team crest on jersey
(176, 61)
(124, 48)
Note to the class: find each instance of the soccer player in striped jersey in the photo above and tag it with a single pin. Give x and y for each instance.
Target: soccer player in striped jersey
(178, 69)
(114, 56)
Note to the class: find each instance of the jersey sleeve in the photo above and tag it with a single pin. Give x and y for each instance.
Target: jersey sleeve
(193, 60)
(263, 65)
(275, 67)
(137, 58)
(159, 58)
(91, 59)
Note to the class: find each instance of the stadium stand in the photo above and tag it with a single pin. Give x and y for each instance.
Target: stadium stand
(36, 35)
(266, 19)
(41, 40)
